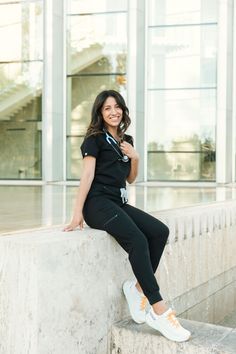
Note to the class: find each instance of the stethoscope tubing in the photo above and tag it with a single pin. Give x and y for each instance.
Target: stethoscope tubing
(124, 158)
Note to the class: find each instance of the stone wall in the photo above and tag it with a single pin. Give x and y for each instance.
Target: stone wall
(198, 273)
(61, 292)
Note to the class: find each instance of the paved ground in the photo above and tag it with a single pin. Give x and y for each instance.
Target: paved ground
(229, 321)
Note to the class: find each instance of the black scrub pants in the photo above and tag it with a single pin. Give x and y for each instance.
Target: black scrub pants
(141, 235)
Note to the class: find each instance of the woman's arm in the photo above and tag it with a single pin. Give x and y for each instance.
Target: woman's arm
(128, 149)
(87, 177)
(134, 169)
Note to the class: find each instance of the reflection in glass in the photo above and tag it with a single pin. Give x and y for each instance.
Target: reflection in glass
(74, 157)
(96, 60)
(21, 90)
(183, 117)
(97, 38)
(4, 2)
(83, 90)
(167, 12)
(91, 6)
(182, 83)
(182, 166)
(14, 76)
(20, 116)
(181, 134)
(22, 25)
(192, 51)
(20, 147)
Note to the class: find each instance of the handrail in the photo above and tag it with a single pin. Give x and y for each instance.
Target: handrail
(181, 152)
(19, 2)
(8, 84)
(7, 62)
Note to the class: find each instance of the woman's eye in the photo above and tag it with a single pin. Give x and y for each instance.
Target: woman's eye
(109, 108)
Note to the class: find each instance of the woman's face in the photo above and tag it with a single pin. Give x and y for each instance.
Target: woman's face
(111, 112)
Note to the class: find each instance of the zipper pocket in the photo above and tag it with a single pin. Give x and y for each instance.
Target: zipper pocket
(113, 217)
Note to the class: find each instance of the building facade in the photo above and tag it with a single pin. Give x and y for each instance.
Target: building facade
(173, 61)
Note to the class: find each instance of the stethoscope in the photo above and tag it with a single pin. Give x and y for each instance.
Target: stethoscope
(110, 139)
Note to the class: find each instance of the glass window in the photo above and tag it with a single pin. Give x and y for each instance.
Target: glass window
(168, 12)
(181, 134)
(21, 79)
(181, 90)
(83, 90)
(97, 49)
(20, 147)
(192, 50)
(2, 2)
(93, 6)
(74, 162)
(181, 166)
(180, 115)
(100, 39)
(21, 24)
(18, 76)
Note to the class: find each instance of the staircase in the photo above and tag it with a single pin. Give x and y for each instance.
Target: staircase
(130, 338)
(15, 98)
(19, 95)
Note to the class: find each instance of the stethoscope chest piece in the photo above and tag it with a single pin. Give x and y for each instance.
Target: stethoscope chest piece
(125, 158)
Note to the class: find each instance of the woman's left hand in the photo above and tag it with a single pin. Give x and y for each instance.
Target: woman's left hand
(128, 150)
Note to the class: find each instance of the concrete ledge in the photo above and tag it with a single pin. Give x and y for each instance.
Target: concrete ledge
(198, 220)
(130, 338)
(61, 292)
(211, 301)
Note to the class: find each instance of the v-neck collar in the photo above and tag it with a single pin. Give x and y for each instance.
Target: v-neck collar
(117, 142)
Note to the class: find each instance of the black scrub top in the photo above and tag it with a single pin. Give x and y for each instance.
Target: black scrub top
(109, 170)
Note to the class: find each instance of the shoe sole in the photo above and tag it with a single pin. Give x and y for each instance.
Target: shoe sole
(174, 339)
(126, 296)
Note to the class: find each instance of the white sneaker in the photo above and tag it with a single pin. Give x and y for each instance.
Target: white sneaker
(137, 301)
(168, 325)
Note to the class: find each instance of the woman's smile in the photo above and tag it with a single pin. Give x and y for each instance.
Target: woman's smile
(111, 112)
(115, 118)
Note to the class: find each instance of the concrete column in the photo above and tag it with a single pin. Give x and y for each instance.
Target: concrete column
(136, 78)
(234, 99)
(52, 196)
(53, 92)
(224, 93)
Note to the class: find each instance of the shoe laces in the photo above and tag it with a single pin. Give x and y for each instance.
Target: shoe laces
(143, 303)
(171, 317)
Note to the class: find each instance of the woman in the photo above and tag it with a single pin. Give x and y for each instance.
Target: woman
(109, 160)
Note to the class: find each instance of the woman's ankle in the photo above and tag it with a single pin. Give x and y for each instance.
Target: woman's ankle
(160, 307)
(138, 287)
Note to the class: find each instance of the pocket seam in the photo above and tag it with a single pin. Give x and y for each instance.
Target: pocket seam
(112, 218)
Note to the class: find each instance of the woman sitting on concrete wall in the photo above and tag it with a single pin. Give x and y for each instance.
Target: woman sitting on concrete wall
(109, 160)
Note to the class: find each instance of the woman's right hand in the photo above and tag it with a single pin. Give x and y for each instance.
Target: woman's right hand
(77, 221)
(89, 163)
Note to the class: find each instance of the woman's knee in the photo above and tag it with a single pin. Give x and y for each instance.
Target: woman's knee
(165, 232)
(162, 234)
(140, 244)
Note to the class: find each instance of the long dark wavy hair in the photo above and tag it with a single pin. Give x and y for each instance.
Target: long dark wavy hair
(96, 125)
